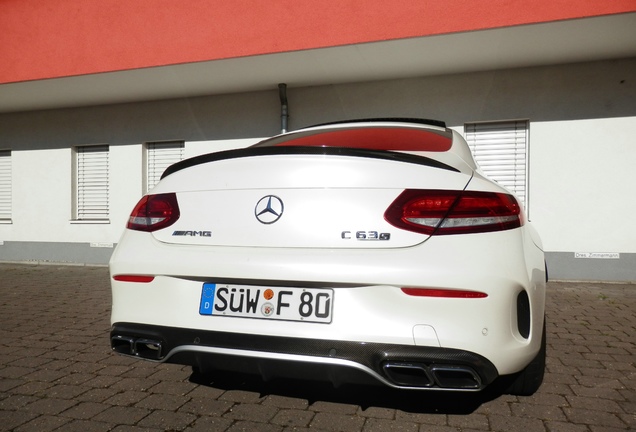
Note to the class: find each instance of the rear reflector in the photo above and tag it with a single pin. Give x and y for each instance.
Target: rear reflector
(154, 212)
(134, 278)
(435, 292)
(440, 212)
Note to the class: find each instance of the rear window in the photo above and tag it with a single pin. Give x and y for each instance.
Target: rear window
(373, 138)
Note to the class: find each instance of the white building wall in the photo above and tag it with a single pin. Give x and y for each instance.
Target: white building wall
(582, 179)
(581, 152)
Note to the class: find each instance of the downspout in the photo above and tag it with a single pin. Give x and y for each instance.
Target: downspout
(284, 114)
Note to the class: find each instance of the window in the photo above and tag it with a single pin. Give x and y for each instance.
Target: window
(91, 186)
(5, 186)
(500, 149)
(159, 156)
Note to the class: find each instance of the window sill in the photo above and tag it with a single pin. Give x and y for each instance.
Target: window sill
(89, 221)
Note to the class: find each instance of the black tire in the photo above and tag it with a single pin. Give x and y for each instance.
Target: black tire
(528, 381)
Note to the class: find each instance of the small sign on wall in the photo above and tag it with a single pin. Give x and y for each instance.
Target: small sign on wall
(597, 255)
(101, 245)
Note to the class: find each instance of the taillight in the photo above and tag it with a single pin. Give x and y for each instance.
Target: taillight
(154, 212)
(440, 212)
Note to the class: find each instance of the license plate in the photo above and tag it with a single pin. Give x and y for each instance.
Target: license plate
(276, 303)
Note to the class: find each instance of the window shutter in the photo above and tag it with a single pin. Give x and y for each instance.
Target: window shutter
(92, 182)
(500, 150)
(159, 157)
(5, 185)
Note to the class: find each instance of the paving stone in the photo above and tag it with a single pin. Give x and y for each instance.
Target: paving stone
(9, 420)
(206, 407)
(85, 410)
(177, 388)
(515, 424)
(9, 384)
(63, 391)
(163, 402)
(337, 422)
(171, 373)
(292, 417)
(128, 428)
(122, 415)
(554, 426)
(544, 412)
(596, 418)
(429, 419)
(384, 425)
(251, 412)
(167, 420)
(475, 421)
(247, 426)
(595, 404)
(210, 424)
(97, 395)
(15, 372)
(74, 379)
(206, 392)
(130, 384)
(85, 426)
(11, 403)
(58, 372)
(333, 407)
(377, 412)
(242, 396)
(43, 423)
(286, 402)
(51, 406)
(429, 428)
(127, 398)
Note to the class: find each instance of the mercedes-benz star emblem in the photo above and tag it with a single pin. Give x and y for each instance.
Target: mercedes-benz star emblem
(269, 209)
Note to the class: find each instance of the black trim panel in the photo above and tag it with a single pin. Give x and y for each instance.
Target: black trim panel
(300, 150)
(369, 355)
(425, 122)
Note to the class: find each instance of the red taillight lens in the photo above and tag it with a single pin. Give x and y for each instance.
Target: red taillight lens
(134, 278)
(154, 212)
(446, 293)
(438, 212)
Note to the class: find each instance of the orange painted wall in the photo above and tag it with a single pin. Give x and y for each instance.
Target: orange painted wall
(42, 39)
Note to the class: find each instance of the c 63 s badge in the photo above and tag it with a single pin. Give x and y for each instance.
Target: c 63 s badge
(365, 235)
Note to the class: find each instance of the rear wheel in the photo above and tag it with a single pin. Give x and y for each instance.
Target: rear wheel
(528, 381)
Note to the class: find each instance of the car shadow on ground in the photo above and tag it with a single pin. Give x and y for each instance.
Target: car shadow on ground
(413, 401)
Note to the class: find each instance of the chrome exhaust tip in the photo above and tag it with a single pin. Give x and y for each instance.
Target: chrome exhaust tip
(149, 349)
(122, 344)
(408, 374)
(456, 377)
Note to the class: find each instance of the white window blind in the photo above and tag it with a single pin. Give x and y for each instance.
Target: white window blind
(92, 183)
(500, 150)
(160, 156)
(5, 185)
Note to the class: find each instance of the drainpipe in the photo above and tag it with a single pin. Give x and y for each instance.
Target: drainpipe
(284, 115)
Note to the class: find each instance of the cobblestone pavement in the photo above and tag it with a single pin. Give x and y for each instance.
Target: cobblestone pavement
(57, 373)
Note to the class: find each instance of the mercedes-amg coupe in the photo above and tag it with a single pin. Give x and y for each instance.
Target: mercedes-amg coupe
(370, 251)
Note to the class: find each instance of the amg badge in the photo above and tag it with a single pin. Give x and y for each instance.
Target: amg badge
(192, 234)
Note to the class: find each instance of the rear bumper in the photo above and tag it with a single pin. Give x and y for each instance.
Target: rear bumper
(368, 303)
(398, 366)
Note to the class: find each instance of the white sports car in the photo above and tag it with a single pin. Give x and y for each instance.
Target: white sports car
(354, 252)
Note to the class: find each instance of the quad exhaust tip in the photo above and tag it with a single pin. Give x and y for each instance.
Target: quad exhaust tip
(414, 374)
(139, 347)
